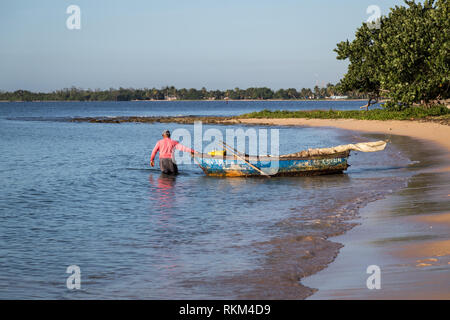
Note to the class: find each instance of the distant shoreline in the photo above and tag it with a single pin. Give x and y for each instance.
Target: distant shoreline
(221, 100)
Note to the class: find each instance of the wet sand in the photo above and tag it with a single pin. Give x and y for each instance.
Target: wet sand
(406, 234)
(436, 219)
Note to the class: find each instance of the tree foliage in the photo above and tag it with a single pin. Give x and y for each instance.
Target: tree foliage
(406, 58)
(172, 93)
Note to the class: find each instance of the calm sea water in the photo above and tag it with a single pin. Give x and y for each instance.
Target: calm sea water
(83, 194)
(163, 108)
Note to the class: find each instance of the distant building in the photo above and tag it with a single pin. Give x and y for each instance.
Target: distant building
(171, 98)
(338, 97)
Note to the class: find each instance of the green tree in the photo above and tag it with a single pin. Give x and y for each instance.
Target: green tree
(415, 43)
(292, 93)
(362, 73)
(406, 58)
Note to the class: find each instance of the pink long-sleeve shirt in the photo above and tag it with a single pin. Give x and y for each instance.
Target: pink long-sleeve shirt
(166, 146)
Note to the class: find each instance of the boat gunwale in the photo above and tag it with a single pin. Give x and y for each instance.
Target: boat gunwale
(344, 154)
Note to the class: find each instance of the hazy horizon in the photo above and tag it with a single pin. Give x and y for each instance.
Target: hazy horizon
(203, 43)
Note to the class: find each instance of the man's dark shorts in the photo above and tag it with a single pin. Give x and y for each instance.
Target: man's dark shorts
(168, 166)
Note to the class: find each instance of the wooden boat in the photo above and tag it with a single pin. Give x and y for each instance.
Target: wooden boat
(307, 162)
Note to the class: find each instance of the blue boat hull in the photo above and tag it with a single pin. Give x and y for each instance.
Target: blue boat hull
(230, 166)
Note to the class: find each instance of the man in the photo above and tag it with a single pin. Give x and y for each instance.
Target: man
(166, 147)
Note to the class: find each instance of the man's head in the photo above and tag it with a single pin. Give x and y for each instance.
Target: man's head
(166, 133)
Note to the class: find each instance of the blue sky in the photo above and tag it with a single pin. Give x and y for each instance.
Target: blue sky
(215, 44)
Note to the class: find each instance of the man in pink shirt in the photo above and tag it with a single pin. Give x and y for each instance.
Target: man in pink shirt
(166, 147)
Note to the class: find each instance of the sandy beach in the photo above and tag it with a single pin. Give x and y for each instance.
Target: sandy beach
(407, 233)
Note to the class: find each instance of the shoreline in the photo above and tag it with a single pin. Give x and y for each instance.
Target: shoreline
(414, 264)
(406, 234)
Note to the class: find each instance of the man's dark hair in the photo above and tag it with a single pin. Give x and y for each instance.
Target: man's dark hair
(166, 133)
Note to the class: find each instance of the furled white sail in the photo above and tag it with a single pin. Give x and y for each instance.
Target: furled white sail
(363, 146)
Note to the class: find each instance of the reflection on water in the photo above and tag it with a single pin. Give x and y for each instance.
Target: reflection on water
(163, 190)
